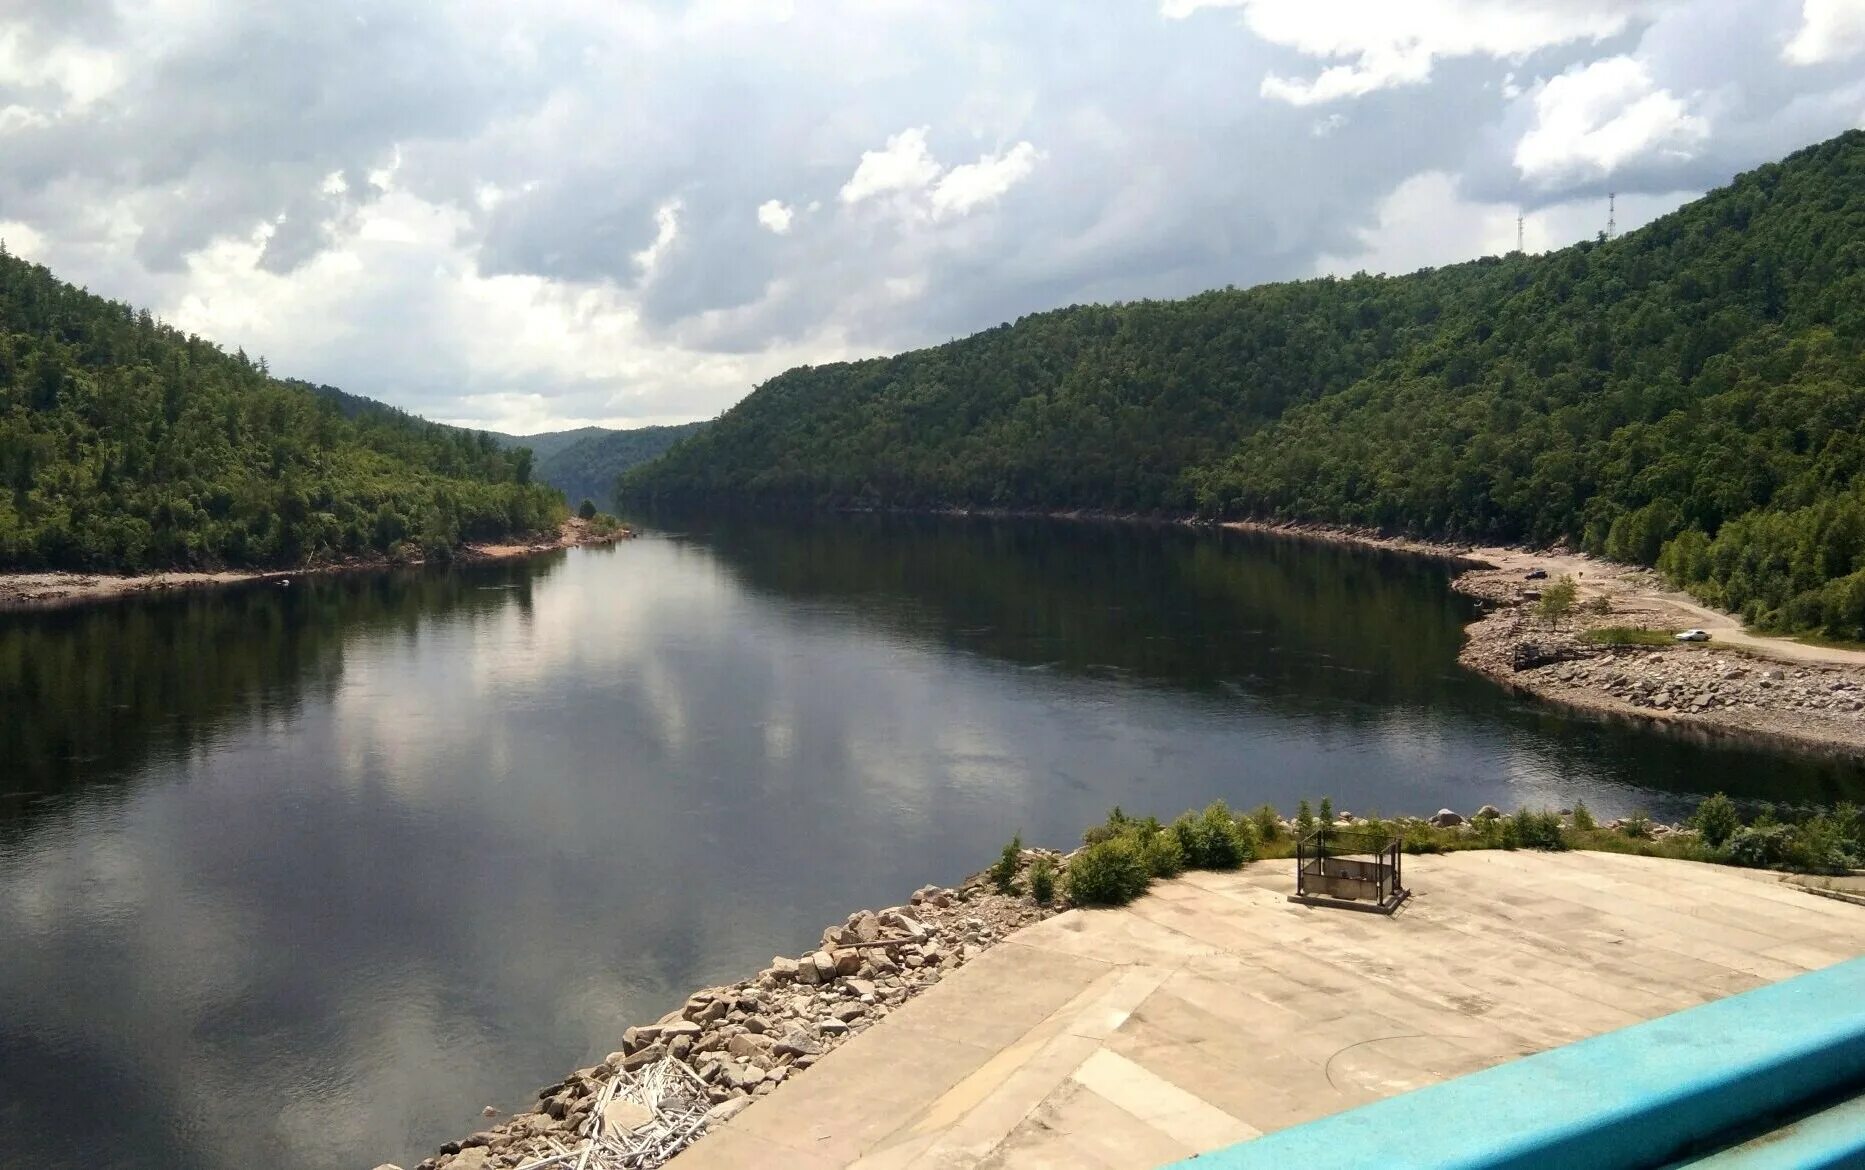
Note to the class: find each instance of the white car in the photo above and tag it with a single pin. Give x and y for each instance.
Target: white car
(1694, 636)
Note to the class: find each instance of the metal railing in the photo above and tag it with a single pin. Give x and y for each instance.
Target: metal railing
(1351, 866)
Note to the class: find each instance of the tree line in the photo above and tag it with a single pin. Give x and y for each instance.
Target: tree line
(1689, 396)
(126, 444)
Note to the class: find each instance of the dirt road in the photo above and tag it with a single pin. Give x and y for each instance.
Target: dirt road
(1639, 589)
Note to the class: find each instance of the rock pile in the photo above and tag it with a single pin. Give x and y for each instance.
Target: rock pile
(1694, 682)
(746, 1038)
(1701, 685)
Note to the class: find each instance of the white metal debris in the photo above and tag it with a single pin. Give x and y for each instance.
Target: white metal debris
(668, 1090)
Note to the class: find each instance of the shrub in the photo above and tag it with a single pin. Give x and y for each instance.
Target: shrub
(1160, 851)
(1760, 846)
(1637, 826)
(1268, 823)
(586, 509)
(1327, 811)
(1583, 817)
(1004, 873)
(1043, 881)
(1539, 830)
(1304, 819)
(1116, 824)
(1213, 839)
(1508, 832)
(1716, 819)
(1557, 599)
(1107, 873)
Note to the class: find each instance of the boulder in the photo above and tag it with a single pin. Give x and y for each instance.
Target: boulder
(847, 962)
(783, 969)
(747, 1045)
(932, 896)
(1446, 818)
(826, 966)
(635, 1060)
(795, 1043)
(724, 1111)
(1488, 812)
(621, 1116)
(865, 926)
(472, 1158)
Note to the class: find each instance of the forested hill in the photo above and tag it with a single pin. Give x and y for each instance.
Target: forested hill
(126, 444)
(586, 467)
(1691, 394)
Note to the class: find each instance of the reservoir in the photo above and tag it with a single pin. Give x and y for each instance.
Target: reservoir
(302, 877)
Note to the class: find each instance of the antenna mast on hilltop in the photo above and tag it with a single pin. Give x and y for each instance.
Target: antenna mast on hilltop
(1518, 231)
(1612, 217)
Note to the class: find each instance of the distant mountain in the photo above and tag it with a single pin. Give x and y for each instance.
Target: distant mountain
(128, 444)
(584, 463)
(547, 443)
(1690, 395)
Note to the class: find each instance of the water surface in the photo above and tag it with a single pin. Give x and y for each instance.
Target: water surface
(302, 877)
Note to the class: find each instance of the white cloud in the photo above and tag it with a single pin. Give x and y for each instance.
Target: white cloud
(666, 230)
(905, 165)
(1595, 118)
(1830, 30)
(521, 353)
(83, 75)
(1396, 43)
(971, 185)
(921, 187)
(774, 216)
(20, 239)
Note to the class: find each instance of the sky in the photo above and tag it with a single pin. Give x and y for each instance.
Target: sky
(536, 214)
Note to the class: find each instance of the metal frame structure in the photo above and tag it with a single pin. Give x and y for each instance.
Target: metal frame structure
(1354, 868)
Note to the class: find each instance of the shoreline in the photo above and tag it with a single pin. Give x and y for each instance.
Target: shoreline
(1735, 687)
(737, 1042)
(57, 588)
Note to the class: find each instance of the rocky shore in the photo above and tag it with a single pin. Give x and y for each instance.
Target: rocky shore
(58, 588)
(1709, 687)
(744, 1039)
(741, 1040)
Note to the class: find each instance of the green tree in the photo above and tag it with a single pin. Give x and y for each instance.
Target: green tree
(1717, 820)
(1557, 600)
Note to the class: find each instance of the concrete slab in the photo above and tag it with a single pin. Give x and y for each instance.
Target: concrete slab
(1213, 1009)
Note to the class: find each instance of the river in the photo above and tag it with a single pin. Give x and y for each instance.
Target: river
(300, 877)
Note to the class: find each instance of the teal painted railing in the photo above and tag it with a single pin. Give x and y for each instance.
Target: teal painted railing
(1651, 1095)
